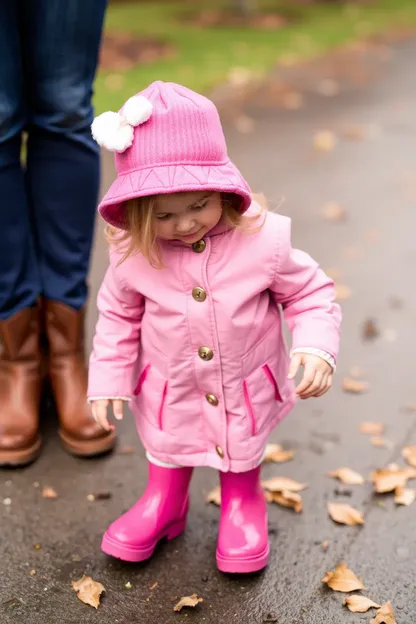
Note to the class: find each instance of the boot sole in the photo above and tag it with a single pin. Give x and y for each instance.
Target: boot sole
(114, 548)
(20, 458)
(243, 566)
(88, 448)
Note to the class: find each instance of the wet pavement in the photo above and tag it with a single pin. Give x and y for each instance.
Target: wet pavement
(374, 251)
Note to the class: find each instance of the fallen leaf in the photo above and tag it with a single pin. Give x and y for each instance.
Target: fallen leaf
(370, 330)
(334, 212)
(154, 585)
(354, 386)
(88, 591)
(244, 124)
(128, 585)
(342, 292)
(409, 454)
(343, 579)
(324, 141)
(127, 450)
(325, 545)
(391, 478)
(359, 604)
(282, 484)
(187, 601)
(32, 573)
(276, 454)
(347, 476)
(404, 496)
(384, 615)
(214, 496)
(380, 442)
(354, 132)
(293, 500)
(334, 274)
(345, 514)
(372, 428)
(49, 492)
(293, 100)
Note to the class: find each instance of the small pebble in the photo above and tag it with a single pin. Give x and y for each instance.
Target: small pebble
(7, 501)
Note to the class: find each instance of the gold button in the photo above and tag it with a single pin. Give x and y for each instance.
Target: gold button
(199, 294)
(199, 246)
(205, 353)
(220, 452)
(212, 399)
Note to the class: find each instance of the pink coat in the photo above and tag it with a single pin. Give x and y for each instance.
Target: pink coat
(198, 345)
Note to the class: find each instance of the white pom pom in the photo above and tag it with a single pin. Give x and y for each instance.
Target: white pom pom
(111, 131)
(137, 110)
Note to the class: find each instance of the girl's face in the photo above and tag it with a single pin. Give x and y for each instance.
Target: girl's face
(187, 216)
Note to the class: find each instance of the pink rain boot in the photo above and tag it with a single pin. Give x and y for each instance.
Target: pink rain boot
(160, 512)
(243, 543)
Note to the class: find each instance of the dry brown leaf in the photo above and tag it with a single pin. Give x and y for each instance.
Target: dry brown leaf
(372, 428)
(334, 212)
(354, 386)
(343, 579)
(276, 454)
(293, 100)
(281, 484)
(384, 615)
(187, 601)
(49, 492)
(325, 545)
(88, 591)
(359, 604)
(404, 496)
(370, 330)
(324, 141)
(380, 442)
(345, 514)
(409, 454)
(347, 476)
(342, 292)
(286, 499)
(391, 478)
(214, 496)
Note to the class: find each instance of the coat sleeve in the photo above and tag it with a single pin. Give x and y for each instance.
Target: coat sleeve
(116, 340)
(306, 295)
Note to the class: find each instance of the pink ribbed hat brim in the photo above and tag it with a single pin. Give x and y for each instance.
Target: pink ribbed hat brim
(166, 179)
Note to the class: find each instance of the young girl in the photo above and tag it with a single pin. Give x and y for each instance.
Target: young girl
(190, 329)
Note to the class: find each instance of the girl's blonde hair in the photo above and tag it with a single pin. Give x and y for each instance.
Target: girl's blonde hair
(138, 233)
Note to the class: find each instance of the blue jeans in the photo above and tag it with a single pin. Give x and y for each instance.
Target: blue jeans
(48, 59)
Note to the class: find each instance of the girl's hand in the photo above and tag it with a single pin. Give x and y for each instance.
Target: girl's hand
(317, 376)
(99, 411)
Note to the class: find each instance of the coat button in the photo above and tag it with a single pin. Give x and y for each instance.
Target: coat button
(199, 246)
(212, 399)
(199, 294)
(220, 452)
(205, 353)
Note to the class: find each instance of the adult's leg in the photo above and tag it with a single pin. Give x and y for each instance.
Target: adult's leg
(61, 45)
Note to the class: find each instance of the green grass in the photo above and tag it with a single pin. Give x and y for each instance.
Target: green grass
(204, 57)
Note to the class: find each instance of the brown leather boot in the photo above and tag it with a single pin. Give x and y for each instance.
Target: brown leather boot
(79, 432)
(20, 387)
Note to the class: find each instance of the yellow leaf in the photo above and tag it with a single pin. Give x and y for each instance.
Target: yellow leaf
(409, 454)
(88, 591)
(345, 514)
(214, 496)
(384, 615)
(286, 499)
(343, 579)
(281, 484)
(334, 212)
(342, 292)
(391, 478)
(359, 604)
(347, 476)
(49, 492)
(354, 386)
(404, 496)
(274, 453)
(372, 428)
(324, 141)
(187, 601)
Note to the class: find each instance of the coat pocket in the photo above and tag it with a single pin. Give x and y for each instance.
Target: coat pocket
(261, 393)
(151, 392)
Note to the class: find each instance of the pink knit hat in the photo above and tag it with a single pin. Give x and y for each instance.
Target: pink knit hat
(168, 139)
